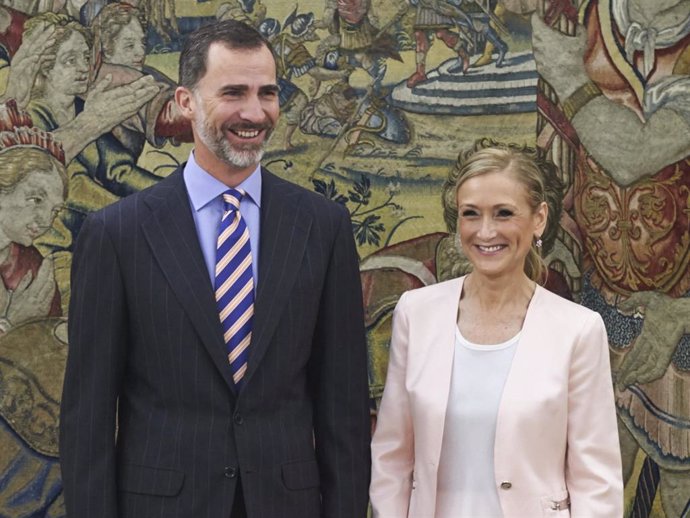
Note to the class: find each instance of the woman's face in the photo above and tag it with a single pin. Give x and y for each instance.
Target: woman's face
(70, 75)
(496, 225)
(29, 209)
(129, 46)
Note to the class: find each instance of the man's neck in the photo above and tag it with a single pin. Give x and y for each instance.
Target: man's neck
(223, 172)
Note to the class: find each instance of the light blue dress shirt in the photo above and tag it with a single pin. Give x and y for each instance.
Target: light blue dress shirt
(205, 196)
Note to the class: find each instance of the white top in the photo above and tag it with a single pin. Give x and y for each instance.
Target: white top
(466, 483)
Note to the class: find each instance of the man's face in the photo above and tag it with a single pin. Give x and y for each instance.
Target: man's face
(235, 106)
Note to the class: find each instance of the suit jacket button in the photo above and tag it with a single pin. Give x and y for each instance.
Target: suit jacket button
(237, 418)
(506, 485)
(230, 472)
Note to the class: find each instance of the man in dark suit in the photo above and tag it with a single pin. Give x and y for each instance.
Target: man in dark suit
(217, 362)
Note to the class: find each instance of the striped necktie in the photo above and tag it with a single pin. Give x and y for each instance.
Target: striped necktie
(234, 284)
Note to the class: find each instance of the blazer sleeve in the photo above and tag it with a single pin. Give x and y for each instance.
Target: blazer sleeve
(593, 461)
(339, 383)
(95, 363)
(392, 447)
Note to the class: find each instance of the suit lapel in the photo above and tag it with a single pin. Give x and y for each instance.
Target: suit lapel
(285, 226)
(171, 234)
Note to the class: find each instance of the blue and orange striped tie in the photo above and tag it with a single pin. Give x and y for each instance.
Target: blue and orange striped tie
(234, 284)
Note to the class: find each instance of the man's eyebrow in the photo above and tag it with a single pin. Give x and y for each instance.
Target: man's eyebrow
(233, 88)
(270, 89)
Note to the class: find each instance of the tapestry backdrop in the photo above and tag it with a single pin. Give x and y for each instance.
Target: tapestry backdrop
(378, 97)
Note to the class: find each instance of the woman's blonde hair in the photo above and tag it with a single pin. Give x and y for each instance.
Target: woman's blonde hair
(528, 167)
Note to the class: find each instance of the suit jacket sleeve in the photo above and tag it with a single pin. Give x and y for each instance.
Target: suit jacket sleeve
(393, 442)
(95, 363)
(593, 462)
(339, 383)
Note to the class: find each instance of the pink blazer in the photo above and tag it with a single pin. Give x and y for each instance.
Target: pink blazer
(556, 433)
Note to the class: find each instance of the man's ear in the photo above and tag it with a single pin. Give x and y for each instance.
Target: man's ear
(184, 98)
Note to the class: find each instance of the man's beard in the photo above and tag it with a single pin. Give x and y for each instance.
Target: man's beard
(221, 147)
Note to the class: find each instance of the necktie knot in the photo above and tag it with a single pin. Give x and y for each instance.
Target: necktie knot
(232, 198)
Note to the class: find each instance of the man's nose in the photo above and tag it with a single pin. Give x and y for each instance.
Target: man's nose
(253, 110)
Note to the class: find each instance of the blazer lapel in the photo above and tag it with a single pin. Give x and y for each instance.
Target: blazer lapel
(285, 226)
(438, 358)
(171, 233)
(520, 383)
(527, 355)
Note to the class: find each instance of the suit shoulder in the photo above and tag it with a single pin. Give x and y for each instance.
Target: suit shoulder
(159, 191)
(316, 202)
(127, 210)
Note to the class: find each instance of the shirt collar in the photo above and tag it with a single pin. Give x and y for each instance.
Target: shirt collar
(203, 188)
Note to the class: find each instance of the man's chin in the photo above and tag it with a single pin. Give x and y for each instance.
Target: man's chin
(243, 158)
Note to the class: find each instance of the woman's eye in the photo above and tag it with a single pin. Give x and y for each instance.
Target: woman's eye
(468, 213)
(504, 213)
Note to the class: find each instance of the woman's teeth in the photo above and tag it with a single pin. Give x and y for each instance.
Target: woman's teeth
(493, 248)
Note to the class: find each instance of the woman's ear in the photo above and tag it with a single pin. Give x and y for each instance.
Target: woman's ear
(541, 217)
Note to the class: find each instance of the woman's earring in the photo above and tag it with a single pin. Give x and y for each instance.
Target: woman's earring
(538, 243)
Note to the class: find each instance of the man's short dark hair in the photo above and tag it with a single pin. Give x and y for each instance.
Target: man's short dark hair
(231, 33)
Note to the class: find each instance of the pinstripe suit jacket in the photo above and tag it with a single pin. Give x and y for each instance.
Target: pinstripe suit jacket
(147, 357)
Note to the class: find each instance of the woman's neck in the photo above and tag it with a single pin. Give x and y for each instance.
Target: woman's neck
(497, 294)
(492, 311)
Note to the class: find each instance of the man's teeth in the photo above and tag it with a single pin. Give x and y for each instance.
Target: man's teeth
(494, 248)
(247, 133)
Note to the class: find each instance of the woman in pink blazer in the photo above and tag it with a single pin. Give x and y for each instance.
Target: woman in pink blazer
(498, 398)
